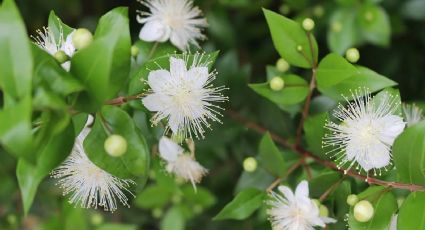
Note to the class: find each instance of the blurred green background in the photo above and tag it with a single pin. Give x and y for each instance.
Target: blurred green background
(238, 29)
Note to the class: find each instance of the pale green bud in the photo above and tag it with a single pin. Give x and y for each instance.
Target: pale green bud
(250, 164)
(115, 145)
(363, 211)
(277, 83)
(82, 38)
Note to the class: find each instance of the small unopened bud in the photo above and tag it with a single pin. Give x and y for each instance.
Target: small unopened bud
(82, 38)
(277, 83)
(323, 211)
(299, 48)
(96, 219)
(197, 209)
(157, 213)
(336, 26)
(282, 65)
(285, 9)
(363, 211)
(318, 11)
(134, 51)
(352, 55)
(250, 164)
(368, 16)
(352, 199)
(61, 56)
(115, 145)
(308, 24)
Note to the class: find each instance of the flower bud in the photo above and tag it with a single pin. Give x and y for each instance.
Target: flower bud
(363, 211)
(323, 211)
(157, 213)
(197, 209)
(282, 65)
(96, 219)
(61, 56)
(299, 48)
(336, 26)
(250, 164)
(134, 51)
(352, 199)
(82, 38)
(277, 83)
(352, 55)
(115, 145)
(368, 16)
(284, 9)
(318, 11)
(308, 24)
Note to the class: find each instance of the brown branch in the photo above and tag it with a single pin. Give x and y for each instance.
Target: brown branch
(122, 100)
(297, 149)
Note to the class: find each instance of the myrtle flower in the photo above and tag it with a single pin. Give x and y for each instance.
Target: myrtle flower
(181, 164)
(289, 211)
(47, 41)
(184, 96)
(175, 20)
(88, 185)
(366, 131)
(412, 114)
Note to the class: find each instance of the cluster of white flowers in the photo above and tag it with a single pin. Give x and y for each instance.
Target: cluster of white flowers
(174, 20)
(89, 185)
(51, 44)
(366, 131)
(289, 211)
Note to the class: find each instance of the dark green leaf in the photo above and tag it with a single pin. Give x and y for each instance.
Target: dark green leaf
(314, 131)
(411, 214)
(243, 205)
(270, 156)
(154, 197)
(323, 182)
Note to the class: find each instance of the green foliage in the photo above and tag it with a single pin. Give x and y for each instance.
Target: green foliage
(411, 215)
(270, 156)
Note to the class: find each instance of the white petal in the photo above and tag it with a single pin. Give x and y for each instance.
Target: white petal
(152, 31)
(68, 46)
(66, 66)
(158, 79)
(392, 126)
(174, 123)
(198, 75)
(178, 41)
(177, 67)
(328, 219)
(287, 192)
(166, 35)
(155, 102)
(169, 150)
(302, 189)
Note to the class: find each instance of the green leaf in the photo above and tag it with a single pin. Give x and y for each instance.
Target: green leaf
(314, 131)
(173, 219)
(202, 196)
(409, 154)
(287, 35)
(385, 205)
(332, 70)
(243, 205)
(117, 227)
(323, 182)
(15, 56)
(50, 155)
(374, 24)
(270, 156)
(135, 162)
(294, 91)
(414, 9)
(154, 197)
(411, 214)
(343, 31)
(58, 27)
(340, 204)
(104, 66)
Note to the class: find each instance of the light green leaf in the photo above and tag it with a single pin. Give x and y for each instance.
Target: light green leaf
(243, 205)
(154, 197)
(375, 24)
(385, 205)
(294, 91)
(58, 27)
(135, 162)
(287, 35)
(314, 131)
(409, 154)
(332, 70)
(202, 196)
(173, 219)
(117, 227)
(343, 31)
(270, 156)
(104, 66)
(411, 214)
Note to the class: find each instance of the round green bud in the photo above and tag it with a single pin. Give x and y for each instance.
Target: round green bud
(134, 51)
(282, 65)
(318, 11)
(352, 199)
(250, 164)
(157, 213)
(115, 145)
(82, 38)
(299, 48)
(197, 209)
(352, 55)
(308, 24)
(96, 219)
(363, 211)
(284, 9)
(368, 16)
(323, 211)
(277, 83)
(336, 26)
(61, 56)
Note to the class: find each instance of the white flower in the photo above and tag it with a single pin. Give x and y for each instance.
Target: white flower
(174, 20)
(184, 96)
(412, 114)
(179, 163)
(89, 185)
(393, 223)
(289, 211)
(47, 41)
(366, 131)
